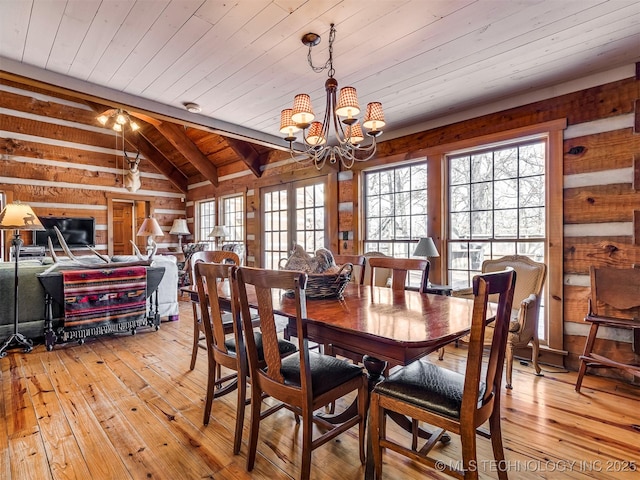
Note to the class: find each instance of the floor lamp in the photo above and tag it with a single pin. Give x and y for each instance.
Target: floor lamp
(17, 216)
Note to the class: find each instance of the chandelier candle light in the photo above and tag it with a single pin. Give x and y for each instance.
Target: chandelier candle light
(316, 134)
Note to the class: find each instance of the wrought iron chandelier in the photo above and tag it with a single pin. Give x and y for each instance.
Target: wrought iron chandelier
(316, 134)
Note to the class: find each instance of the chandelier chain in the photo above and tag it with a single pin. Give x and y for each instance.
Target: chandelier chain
(329, 63)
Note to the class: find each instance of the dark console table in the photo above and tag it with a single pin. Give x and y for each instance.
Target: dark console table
(54, 292)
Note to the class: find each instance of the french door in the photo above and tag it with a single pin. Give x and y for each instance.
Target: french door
(292, 213)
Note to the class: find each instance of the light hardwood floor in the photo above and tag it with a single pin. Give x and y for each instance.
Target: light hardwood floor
(128, 407)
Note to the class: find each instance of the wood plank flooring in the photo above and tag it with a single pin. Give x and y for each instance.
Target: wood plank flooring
(128, 407)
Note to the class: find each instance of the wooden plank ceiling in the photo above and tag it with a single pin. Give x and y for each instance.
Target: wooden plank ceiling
(243, 62)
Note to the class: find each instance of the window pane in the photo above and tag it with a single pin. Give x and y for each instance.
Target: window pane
(459, 198)
(459, 171)
(506, 223)
(481, 167)
(532, 159)
(482, 224)
(506, 194)
(482, 196)
(532, 191)
(505, 163)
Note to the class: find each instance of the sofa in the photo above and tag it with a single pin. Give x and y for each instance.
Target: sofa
(31, 307)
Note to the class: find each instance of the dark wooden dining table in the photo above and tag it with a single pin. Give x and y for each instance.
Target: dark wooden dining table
(396, 327)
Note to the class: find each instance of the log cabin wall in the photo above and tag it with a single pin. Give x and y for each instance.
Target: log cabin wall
(601, 159)
(56, 157)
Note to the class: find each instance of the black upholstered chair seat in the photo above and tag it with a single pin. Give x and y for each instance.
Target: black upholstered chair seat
(286, 348)
(427, 386)
(326, 372)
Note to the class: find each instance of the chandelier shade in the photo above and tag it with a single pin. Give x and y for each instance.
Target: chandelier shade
(302, 112)
(341, 116)
(348, 104)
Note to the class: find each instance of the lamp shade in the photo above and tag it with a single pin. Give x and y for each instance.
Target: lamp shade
(348, 103)
(302, 112)
(426, 248)
(19, 216)
(374, 117)
(179, 227)
(150, 228)
(219, 231)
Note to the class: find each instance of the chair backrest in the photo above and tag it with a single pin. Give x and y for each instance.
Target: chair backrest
(501, 284)
(237, 248)
(207, 276)
(615, 292)
(531, 275)
(210, 256)
(264, 282)
(358, 262)
(399, 268)
(382, 275)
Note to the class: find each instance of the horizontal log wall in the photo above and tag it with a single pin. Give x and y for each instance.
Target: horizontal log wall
(56, 157)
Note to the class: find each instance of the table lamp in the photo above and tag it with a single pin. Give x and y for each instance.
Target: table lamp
(17, 216)
(150, 228)
(218, 232)
(426, 248)
(179, 228)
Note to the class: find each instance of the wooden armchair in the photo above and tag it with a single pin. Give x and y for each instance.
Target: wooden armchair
(223, 350)
(215, 256)
(399, 268)
(614, 302)
(448, 400)
(305, 381)
(523, 329)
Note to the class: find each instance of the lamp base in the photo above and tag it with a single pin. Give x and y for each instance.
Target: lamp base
(16, 340)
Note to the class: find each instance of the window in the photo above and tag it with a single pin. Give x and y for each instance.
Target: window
(294, 212)
(233, 218)
(395, 207)
(496, 207)
(206, 221)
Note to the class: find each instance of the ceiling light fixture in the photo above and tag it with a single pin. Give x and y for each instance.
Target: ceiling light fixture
(192, 107)
(117, 119)
(316, 134)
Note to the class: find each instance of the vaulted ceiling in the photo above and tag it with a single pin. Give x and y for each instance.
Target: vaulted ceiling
(242, 61)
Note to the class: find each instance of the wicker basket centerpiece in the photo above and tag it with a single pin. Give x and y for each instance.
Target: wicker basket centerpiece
(325, 279)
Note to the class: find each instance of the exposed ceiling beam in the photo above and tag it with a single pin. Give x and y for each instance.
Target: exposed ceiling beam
(157, 158)
(176, 136)
(247, 153)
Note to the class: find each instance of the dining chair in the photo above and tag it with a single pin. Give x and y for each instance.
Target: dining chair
(527, 298)
(210, 256)
(614, 302)
(448, 400)
(358, 262)
(305, 381)
(222, 349)
(399, 269)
